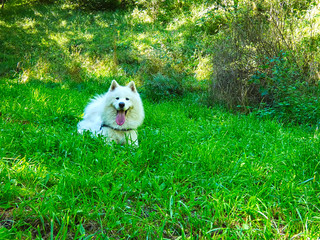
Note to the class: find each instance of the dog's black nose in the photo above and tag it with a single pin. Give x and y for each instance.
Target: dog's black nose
(121, 104)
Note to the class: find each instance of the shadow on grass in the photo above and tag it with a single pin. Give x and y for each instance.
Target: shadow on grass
(55, 43)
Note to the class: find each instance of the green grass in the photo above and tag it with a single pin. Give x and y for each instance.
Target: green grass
(199, 172)
(58, 43)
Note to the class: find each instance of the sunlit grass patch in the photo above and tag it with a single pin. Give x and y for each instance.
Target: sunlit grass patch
(198, 171)
(141, 16)
(27, 24)
(203, 70)
(87, 46)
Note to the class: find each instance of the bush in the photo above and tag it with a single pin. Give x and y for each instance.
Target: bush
(259, 63)
(98, 4)
(232, 69)
(287, 96)
(237, 52)
(158, 87)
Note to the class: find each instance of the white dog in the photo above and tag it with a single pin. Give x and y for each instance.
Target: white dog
(116, 114)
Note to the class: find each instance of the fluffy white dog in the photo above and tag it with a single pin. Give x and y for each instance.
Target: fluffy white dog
(116, 114)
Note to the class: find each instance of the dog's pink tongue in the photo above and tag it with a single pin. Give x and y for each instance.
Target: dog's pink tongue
(121, 118)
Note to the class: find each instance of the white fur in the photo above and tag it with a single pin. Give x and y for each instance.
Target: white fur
(103, 110)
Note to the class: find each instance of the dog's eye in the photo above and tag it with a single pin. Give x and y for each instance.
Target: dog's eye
(127, 99)
(117, 98)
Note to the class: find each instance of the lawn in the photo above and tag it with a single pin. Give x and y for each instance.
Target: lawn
(199, 172)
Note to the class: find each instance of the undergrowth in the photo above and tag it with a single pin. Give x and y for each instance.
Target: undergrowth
(266, 59)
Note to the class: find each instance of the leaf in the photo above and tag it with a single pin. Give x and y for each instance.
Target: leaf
(264, 92)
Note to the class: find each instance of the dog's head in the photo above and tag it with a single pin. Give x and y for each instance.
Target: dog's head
(124, 100)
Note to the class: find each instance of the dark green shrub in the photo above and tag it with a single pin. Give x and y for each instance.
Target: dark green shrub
(286, 94)
(98, 4)
(48, 1)
(158, 87)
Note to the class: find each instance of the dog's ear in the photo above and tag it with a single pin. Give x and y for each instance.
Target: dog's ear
(132, 86)
(114, 85)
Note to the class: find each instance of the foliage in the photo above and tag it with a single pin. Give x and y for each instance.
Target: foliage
(162, 87)
(258, 34)
(285, 90)
(97, 4)
(232, 68)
